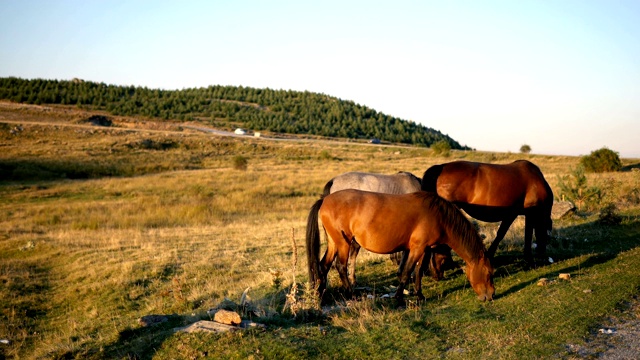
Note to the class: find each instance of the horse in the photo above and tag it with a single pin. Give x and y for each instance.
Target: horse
(497, 193)
(400, 183)
(387, 223)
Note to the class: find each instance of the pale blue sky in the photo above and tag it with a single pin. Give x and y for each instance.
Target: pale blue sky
(562, 76)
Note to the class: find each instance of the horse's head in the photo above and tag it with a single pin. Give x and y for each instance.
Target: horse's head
(480, 275)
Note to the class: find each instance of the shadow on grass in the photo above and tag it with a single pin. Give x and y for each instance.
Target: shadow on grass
(600, 244)
(44, 170)
(630, 167)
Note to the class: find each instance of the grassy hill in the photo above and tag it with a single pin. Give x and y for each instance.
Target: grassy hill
(101, 225)
(228, 107)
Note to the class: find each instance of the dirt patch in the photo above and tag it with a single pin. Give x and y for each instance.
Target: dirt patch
(617, 338)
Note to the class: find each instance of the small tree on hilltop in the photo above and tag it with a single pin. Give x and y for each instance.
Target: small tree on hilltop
(525, 149)
(602, 160)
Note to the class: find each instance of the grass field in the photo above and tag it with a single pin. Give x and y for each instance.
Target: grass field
(100, 226)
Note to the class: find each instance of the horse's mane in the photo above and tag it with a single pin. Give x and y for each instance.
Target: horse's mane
(430, 178)
(455, 222)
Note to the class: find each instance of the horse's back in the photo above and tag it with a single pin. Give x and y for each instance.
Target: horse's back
(520, 183)
(399, 183)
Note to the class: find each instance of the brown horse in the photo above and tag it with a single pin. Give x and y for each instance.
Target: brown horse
(387, 223)
(400, 183)
(492, 193)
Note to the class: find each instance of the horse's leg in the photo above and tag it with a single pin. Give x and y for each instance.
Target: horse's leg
(341, 266)
(435, 261)
(543, 228)
(423, 265)
(341, 248)
(325, 265)
(354, 248)
(413, 257)
(528, 235)
(502, 231)
(403, 261)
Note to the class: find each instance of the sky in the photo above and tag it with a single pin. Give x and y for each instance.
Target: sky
(562, 76)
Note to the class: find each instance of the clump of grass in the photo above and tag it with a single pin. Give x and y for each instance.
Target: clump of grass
(307, 304)
(240, 162)
(609, 215)
(325, 155)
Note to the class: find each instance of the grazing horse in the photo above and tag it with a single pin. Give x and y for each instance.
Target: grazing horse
(387, 223)
(399, 183)
(492, 193)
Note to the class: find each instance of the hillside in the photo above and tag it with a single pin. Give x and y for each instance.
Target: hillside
(226, 107)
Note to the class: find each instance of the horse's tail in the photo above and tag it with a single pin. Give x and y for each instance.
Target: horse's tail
(430, 178)
(313, 243)
(327, 188)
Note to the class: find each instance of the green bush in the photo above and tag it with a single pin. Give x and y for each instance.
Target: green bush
(602, 160)
(441, 147)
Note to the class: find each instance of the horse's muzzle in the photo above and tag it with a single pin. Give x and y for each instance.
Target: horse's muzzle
(486, 296)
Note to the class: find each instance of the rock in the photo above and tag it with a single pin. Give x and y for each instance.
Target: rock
(565, 276)
(561, 209)
(543, 282)
(216, 327)
(207, 326)
(227, 317)
(150, 320)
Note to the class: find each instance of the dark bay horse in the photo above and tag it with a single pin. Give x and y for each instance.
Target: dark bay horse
(387, 223)
(492, 193)
(399, 183)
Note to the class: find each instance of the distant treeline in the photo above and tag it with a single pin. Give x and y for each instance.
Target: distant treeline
(280, 111)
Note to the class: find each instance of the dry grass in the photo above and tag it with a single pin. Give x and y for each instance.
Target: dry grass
(81, 260)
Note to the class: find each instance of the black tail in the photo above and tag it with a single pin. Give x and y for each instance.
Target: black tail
(313, 243)
(327, 188)
(430, 178)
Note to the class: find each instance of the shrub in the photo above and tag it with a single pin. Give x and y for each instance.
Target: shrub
(575, 189)
(525, 149)
(602, 160)
(441, 147)
(609, 215)
(240, 162)
(325, 155)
